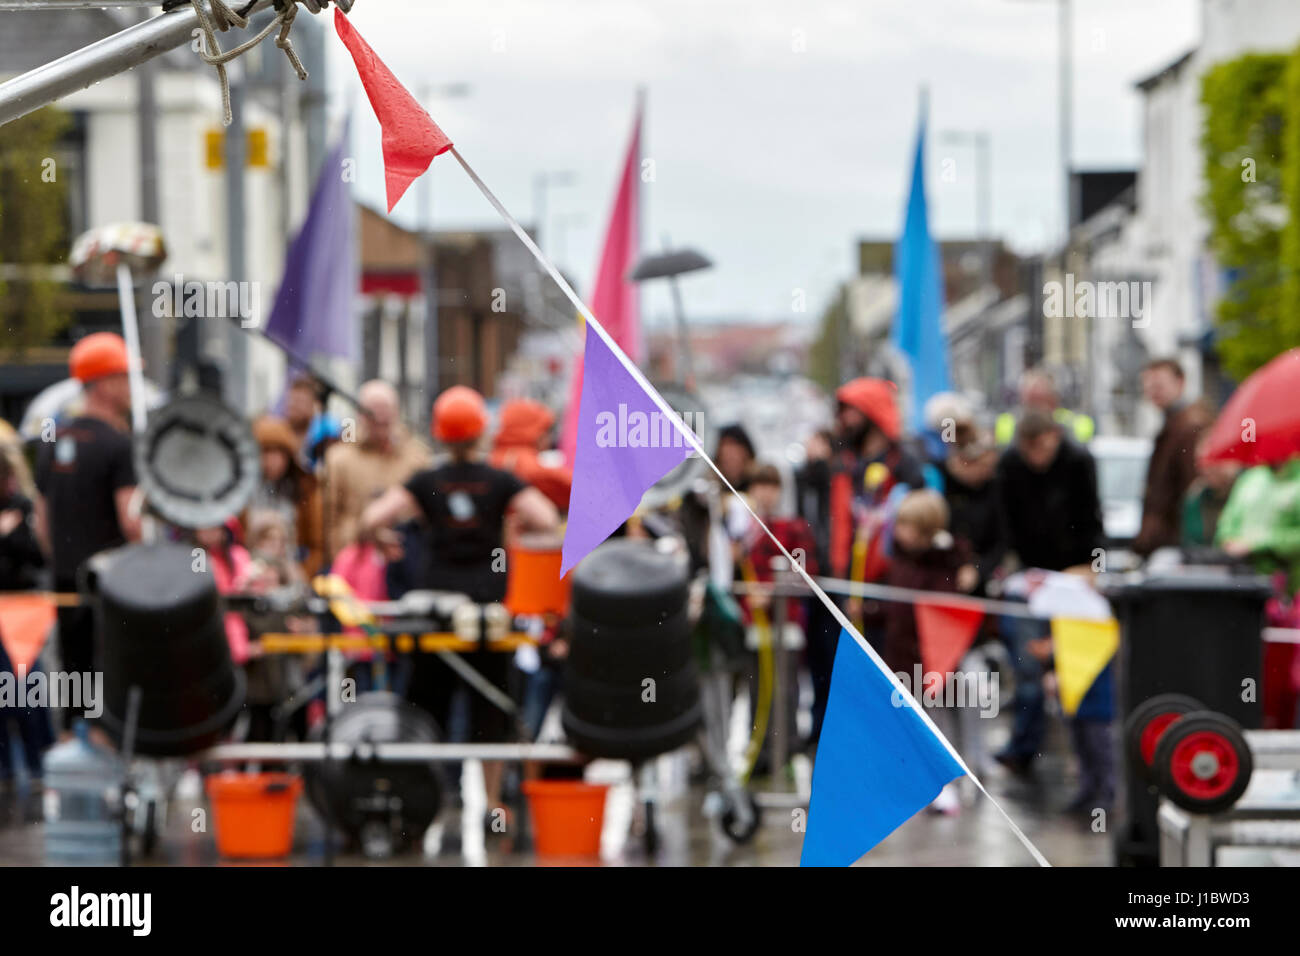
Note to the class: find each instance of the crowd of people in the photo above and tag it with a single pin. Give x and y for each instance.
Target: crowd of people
(362, 498)
(959, 507)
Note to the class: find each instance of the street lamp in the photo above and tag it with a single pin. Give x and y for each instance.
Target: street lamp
(669, 265)
(1066, 108)
(562, 224)
(428, 92)
(432, 343)
(541, 182)
(979, 139)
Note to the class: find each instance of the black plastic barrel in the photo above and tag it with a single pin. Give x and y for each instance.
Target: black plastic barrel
(630, 628)
(159, 626)
(1194, 630)
(383, 806)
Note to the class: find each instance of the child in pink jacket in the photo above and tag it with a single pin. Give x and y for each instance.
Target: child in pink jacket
(232, 566)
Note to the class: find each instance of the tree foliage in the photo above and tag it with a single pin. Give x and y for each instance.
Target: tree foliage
(1251, 150)
(33, 204)
(825, 355)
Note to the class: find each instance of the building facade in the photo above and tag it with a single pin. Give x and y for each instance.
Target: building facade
(148, 145)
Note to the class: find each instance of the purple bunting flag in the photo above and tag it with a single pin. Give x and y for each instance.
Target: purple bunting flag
(625, 444)
(312, 314)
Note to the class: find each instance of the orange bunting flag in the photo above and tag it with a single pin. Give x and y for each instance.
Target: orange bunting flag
(946, 633)
(25, 620)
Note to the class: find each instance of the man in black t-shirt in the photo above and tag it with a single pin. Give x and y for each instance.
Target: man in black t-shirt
(464, 504)
(86, 480)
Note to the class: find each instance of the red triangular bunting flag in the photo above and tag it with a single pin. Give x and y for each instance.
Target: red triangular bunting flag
(25, 620)
(411, 138)
(946, 634)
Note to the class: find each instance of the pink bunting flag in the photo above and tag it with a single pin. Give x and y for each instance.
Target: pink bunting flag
(614, 298)
(411, 138)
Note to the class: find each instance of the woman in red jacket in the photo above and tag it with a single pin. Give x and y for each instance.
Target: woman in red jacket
(520, 448)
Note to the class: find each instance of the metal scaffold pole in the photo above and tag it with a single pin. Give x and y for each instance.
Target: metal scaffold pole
(72, 4)
(112, 55)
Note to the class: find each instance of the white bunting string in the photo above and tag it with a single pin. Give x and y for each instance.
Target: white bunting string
(690, 437)
(952, 599)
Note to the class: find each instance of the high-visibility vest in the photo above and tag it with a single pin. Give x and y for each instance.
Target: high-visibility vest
(1081, 426)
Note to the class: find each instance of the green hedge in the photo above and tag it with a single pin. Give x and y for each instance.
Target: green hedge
(1252, 113)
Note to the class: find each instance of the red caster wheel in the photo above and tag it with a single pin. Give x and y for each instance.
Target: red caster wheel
(1148, 721)
(1203, 763)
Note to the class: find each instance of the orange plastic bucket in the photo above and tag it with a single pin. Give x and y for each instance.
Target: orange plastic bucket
(567, 816)
(533, 582)
(253, 813)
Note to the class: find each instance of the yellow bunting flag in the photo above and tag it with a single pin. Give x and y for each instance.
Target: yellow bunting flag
(1082, 649)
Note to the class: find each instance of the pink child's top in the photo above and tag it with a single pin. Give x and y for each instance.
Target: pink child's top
(232, 568)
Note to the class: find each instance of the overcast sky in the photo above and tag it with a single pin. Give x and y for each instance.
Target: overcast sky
(781, 131)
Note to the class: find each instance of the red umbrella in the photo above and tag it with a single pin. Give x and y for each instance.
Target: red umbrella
(1260, 425)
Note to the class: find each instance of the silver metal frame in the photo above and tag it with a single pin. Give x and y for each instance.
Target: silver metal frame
(112, 55)
(73, 4)
(389, 753)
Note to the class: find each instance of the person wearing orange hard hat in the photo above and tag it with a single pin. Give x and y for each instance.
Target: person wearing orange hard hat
(86, 483)
(459, 417)
(520, 447)
(100, 355)
(464, 504)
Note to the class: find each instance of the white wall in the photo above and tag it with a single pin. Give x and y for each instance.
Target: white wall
(1167, 239)
(192, 197)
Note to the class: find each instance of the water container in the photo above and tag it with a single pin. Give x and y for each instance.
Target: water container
(83, 792)
(382, 806)
(159, 626)
(630, 627)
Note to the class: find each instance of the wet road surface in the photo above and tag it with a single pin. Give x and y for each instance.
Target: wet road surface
(689, 834)
(687, 826)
